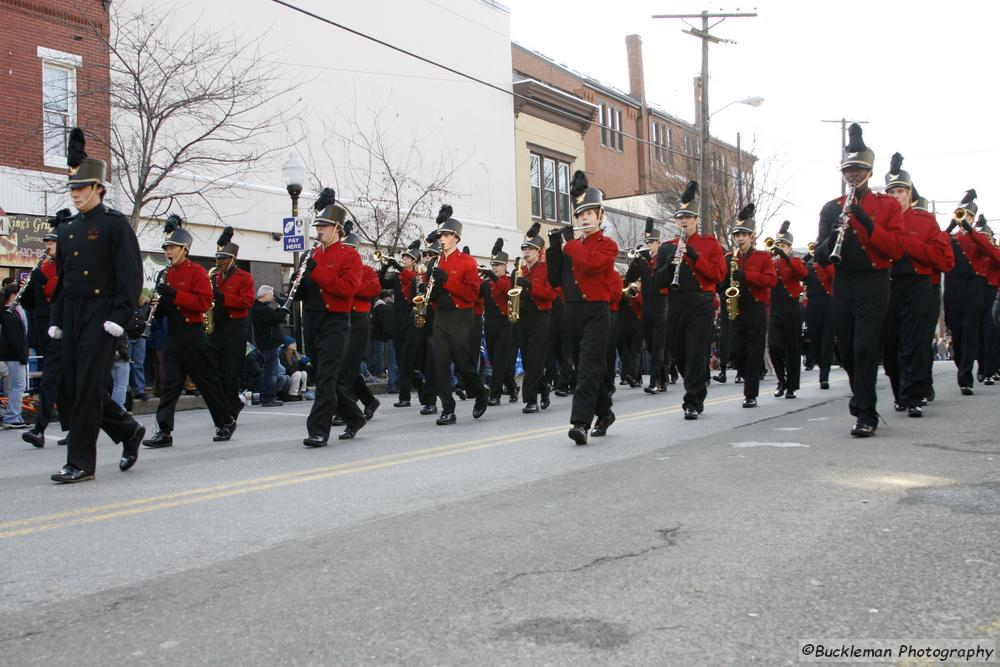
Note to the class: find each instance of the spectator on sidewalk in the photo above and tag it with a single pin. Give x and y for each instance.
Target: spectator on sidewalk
(267, 319)
(14, 353)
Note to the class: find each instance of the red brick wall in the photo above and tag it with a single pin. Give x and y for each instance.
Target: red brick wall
(62, 25)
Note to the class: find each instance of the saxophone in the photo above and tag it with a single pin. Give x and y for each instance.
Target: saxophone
(733, 291)
(420, 300)
(210, 313)
(514, 295)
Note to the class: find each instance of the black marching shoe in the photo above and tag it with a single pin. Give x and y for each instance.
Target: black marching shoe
(790, 393)
(494, 400)
(863, 430)
(989, 382)
(915, 411)
(159, 439)
(738, 380)
(779, 390)
(720, 378)
(690, 413)
(530, 408)
(70, 475)
(824, 384)
(34, 437)
(898, 407)
(338, 421)
(224, 432)
(749, 402)
(561, 393)
(351, 431)
(479, 409)
(429, 410)
(515, 393)
(315, 441)
(446, 419)
(578, 434)
(930, 394)
(545, 403)
(979, 378)
(602, 424)
(967, 391)
(64, 442)
(130, 449)
(651, 389)
(460, 392)
(371, 408)
(401, 404)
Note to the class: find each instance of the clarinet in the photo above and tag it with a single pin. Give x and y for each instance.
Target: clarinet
(299, 274)
(154, 301)
(842, 219)
(24, 285)
(679, 258)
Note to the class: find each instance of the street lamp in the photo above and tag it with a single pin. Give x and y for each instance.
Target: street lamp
(706, 154)
(293, 172)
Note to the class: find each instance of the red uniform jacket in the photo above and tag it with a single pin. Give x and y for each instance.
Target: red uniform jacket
(49, 271)
(194, 291)
(886, 241)
(616, 284)
(338, 275)
(237, 293)
(924, 242)
(759, 274)
(499, 291)
(791, 273)
(406, 277)
(636, 303)
(593, 263)
(369, 288)
(710, 269)
(479, 305)
(463, 278)
(976, 249)
(541, 292)
(825, 275)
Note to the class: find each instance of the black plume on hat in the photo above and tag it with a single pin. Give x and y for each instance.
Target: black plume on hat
(497, 247)
(432, 237)
(327, 197)
(856, 142)
(61, 216)
(415, 246)
(444, 213)
(914, 195)
(784, 227)
(970, 196)
(895, 163)
(746, 213)
(533, 231)
(173, 222)
(579, 184)
(225, 237)
(348, 226)
(649, 225)
(981, 220)
(466, 251)
(690, 192)
(75, 148)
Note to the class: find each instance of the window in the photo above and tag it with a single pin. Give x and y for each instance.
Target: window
(550, 178)
(660, 134)
(611, 127)
(58, 102)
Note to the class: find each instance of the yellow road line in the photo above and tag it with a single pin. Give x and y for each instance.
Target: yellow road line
(97, 513)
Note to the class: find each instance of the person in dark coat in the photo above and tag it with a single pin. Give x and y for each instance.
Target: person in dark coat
(14, 352)
(267, 319)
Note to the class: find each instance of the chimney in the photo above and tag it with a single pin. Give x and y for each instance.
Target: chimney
(697, 101)
(636, 79)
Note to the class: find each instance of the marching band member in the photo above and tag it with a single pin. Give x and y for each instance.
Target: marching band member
(654, 307)
(185, 296)
(987, 358)
(537, 296)
(869, 228)
(582, 268)
(427, 389)
(630, 341)
(904, 339)
(500, 341)
(456, 286)
(784, 334)
(756, 276)
(691, 278)
(819, 315)
(403, 283)
(934, 309)
(234, 293)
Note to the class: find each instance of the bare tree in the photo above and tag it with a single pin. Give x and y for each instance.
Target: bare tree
(193, 112)
(762, 187)
(388, 184)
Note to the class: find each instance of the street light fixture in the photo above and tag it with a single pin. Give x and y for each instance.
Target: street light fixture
(706, 156)
(293, 172)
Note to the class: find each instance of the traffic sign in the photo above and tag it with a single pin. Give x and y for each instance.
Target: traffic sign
(295, 243)
(292, 232)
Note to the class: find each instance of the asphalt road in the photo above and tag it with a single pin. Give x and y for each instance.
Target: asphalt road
(729, 540)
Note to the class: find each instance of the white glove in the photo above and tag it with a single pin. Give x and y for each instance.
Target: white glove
(55, 333)
(113, 329)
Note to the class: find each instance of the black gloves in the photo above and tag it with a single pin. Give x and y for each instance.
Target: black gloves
(567, 233)
(165, 290)
(490, 275)
(781, 253)
(394, 264)
(966, 225)
(692, 253)
(440, 275)
(646, 254)
(555, 238)
(862, 217)
(421, 288)
(38, 277)
(524, 283)
(951, 226)
(740, 276)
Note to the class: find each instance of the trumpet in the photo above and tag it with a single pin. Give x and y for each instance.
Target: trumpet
(844, 214)
(811, 247)
(959, 214)
(486, 273)
(637, 251)
(631, 290)
(381, 258)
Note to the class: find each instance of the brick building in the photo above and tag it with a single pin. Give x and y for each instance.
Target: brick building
(54, 76)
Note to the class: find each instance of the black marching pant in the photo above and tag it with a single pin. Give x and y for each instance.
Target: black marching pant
(48, 390)
(630, 348)
(187, 354)
(424, 361)
(859, 304)
(988, 348)
(963, 308)
(904, 346)
(499, 339)
(229, 346)
(784, 342)
(405, 342)
(533, 339)
(654, 334)
(725, 337)
(350, 372)
(933, 315)
(88, 354)
(329, 333)
(747, 335)
(587, 326)
(615, 334)
(451, 343)
(690, 318)
(819, 320)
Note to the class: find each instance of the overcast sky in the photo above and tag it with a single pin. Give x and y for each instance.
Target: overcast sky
(924, 79)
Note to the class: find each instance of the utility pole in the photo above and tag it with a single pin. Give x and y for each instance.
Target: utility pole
(843, 142)
(703, 34)
(739, 173)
